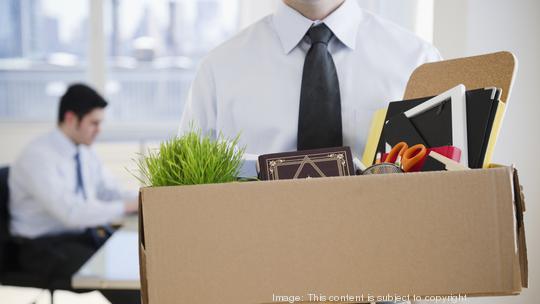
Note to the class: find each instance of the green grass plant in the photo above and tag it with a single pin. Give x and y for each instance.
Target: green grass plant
(191, 159)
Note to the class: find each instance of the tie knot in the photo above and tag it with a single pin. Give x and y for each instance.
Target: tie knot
(319, 33)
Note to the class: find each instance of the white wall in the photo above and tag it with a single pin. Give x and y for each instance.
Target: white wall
(464, 28)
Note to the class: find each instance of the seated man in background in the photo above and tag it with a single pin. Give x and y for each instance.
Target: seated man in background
(61, 193)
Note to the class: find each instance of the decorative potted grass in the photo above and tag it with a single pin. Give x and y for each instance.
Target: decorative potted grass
(191, 159)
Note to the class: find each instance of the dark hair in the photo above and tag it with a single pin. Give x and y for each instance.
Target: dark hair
(81, 100)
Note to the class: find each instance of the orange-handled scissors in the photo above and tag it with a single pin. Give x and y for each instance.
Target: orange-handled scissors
(410, 157)
(396, 151)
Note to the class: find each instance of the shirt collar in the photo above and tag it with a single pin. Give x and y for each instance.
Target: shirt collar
(63, 143)
(291, 26)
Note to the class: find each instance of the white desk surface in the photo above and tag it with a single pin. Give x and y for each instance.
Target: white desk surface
(115, 265)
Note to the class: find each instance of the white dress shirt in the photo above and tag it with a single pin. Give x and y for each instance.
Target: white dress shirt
(251, 83)
(43, 189)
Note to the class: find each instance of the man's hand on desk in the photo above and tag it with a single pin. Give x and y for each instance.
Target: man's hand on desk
(131, 207)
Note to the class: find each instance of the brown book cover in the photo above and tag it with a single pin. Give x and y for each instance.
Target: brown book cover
(306, 164)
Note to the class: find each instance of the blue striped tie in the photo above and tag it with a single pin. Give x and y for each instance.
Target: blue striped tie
(80, 184)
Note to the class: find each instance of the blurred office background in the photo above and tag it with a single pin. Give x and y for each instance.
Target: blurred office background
(142, 55)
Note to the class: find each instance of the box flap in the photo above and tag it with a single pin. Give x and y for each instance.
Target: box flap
(142, 254)
(519, 199)
(489, 70)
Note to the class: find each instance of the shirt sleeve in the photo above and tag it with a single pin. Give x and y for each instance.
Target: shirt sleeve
(44, 183)
(200, 108)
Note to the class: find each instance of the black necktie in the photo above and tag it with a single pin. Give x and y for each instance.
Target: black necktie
(80, 183)
(319, 120)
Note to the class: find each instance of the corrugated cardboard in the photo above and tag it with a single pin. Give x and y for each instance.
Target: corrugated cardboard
(432, 233)
(475, 72)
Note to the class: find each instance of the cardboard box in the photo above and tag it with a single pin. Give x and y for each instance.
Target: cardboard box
(417, 234)
(429, 233)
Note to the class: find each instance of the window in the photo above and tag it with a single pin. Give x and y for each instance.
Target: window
(414, 15)
(41, 49)
(143, 53)
(151, 49)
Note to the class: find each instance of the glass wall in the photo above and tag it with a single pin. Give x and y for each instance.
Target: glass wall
(152, 48)
(42, 47)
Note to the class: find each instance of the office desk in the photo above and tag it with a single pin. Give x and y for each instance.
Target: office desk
(115, 265)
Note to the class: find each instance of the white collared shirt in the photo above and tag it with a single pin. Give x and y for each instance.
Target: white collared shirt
(43, 189)
(250, 85)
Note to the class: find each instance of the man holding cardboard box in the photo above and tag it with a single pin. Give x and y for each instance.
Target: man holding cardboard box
(309, 76)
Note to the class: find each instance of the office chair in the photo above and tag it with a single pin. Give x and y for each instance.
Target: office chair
(10, 270)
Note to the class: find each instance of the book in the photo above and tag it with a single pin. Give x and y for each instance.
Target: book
(313, 163)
